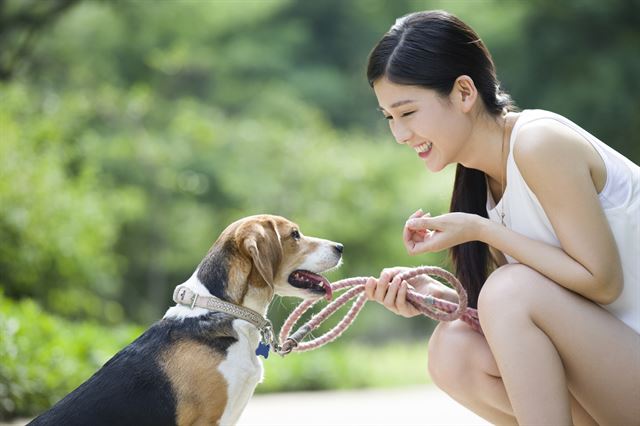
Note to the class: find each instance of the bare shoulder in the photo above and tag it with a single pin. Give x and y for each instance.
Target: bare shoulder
(548, 141)
(546, 149)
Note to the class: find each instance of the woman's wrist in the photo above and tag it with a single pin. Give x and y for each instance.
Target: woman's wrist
(483, 228)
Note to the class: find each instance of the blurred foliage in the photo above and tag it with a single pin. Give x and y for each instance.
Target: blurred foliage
(58, 223)
(21, 22)
(44, 357)
(133, 132)
(152, 198)
(580, 59)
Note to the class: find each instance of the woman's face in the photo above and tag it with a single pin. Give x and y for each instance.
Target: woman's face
(421, 119)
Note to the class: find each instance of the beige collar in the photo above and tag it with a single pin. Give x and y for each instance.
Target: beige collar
(183, 295)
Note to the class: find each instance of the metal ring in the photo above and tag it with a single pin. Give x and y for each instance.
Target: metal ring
(195, 297)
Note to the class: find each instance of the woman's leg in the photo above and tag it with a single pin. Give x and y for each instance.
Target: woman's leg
(550, 343)
(462, 365)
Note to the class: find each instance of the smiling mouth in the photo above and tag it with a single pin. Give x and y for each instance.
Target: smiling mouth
(308, 280)
(424, 149)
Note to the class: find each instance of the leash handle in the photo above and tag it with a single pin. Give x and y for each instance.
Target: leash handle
(438, 309)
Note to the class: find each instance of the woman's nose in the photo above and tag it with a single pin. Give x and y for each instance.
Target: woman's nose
(401, 133)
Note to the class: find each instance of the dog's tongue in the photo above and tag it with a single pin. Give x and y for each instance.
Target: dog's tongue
(327, 287)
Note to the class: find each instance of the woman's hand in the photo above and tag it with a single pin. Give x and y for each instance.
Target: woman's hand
(423, 233)
(391, 292)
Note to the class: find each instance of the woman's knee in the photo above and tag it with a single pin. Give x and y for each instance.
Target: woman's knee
(505, 287)
(511, 292)
(450, 356)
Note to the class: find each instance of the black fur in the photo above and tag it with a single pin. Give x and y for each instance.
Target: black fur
(131, 388)
(213, 271)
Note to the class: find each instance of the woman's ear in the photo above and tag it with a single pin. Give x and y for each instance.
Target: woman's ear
(464, 93)
(261, 242)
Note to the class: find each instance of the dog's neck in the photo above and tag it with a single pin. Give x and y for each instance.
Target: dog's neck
(256, 299)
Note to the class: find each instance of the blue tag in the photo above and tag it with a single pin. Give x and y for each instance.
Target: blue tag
(263, 350)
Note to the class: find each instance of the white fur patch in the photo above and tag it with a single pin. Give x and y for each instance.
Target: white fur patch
(322, 259)
(182, 311)
(243, 370)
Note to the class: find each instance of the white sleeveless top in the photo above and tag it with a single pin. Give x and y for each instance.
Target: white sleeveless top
(620, 200)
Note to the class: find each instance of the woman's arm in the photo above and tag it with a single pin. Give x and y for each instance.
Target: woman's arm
(555, 164)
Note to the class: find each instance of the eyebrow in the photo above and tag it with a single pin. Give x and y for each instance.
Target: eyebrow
(397, 104)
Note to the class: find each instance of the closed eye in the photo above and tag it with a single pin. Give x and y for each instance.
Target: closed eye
(406, 114)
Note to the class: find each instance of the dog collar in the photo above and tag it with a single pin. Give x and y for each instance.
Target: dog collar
(183, 295)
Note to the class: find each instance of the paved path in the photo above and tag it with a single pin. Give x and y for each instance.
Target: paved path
(423, 405)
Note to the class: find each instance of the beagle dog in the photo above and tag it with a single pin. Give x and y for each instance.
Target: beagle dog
(198, 366)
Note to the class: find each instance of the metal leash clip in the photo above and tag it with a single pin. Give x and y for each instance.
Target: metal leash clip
(289, 345)
(269, 339)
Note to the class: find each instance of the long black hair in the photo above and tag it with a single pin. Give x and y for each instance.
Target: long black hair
(432, 49)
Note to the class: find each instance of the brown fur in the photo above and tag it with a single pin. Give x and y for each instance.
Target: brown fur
(264, 253)
(239, 271)
(200, 389)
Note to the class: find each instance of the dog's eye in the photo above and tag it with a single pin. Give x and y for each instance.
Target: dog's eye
(295, 234)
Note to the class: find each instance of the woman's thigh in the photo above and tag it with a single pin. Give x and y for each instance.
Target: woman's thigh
(600, 354)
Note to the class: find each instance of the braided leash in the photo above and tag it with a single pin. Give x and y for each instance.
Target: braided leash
(438, 309)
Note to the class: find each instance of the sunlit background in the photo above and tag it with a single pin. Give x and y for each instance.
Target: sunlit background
(133, 132)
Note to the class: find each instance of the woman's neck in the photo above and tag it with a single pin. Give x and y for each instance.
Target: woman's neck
(488, 147)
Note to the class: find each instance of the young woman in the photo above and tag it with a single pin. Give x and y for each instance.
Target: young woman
(544, 234)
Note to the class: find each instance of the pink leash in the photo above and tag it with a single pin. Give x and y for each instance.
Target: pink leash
(438, 309)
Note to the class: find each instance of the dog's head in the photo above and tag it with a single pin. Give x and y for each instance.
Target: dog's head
(259, 256)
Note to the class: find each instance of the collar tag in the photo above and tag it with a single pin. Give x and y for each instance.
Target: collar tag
(263, 350)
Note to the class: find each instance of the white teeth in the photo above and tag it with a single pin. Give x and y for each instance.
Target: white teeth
(424, 147)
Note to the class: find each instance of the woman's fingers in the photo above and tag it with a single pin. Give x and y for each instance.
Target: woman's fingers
(433, 242)
(383, 283)
(422, 223)
(390, 298)
(406, 232)
(404, 308)
(427, 242)
(430, 244)
(390, 291)
(418, 236)
(417, 230)
(416, 214)
(370, 287)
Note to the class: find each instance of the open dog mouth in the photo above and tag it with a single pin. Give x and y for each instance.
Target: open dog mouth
(311, 281)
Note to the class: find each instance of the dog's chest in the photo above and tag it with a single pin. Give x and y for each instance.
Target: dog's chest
(242, 369)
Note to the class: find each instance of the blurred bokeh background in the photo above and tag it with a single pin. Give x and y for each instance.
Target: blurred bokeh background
(133, 132)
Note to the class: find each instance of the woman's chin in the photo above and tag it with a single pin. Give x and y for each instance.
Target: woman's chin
(434, 167)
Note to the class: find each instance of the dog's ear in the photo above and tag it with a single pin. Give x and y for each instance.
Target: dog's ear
(261, 242)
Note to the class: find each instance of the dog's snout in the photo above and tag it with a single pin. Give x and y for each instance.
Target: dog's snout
(339, 248)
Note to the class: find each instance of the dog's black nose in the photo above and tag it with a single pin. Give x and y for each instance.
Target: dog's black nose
(339, 248)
